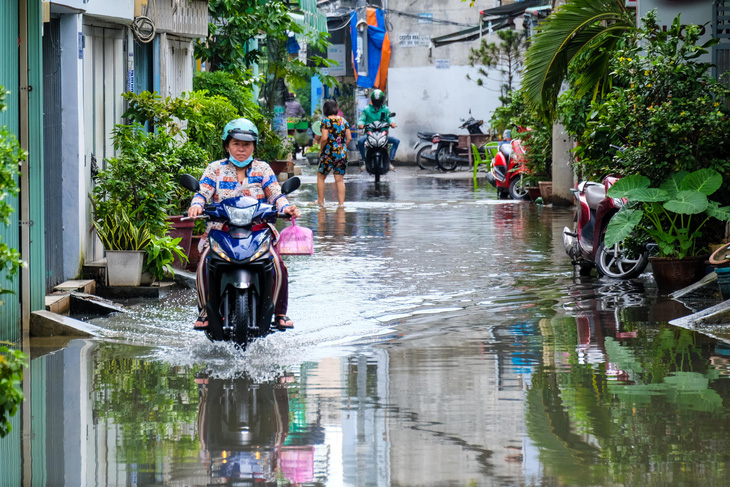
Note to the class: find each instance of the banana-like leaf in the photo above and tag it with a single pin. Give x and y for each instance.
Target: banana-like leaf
(624, 185)
(705, 181)
(647, 195)
(687, 203)
(622, 225)
(674, 184)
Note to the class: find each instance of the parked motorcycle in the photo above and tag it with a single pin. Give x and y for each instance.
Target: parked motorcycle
(377, 152)
(508, 169)
(449, 151)
(425, 158)
(239, 266)
(584, 242)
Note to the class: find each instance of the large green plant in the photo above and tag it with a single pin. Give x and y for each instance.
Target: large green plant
(161, 253)
(673, 214)
(140, 178)
(12, 362)
(10, 156)
(119, 230)
(666, 107)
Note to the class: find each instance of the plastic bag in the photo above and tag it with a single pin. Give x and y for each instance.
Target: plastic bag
(295, 240)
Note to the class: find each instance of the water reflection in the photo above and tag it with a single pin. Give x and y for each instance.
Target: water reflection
(245, 433)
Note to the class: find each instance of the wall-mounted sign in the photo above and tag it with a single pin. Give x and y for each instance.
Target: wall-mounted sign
(336, 52)
(408, 40)
(425, 18)
(442, 64)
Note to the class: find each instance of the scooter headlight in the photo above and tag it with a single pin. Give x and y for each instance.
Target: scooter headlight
(240, 217)
(216, 247)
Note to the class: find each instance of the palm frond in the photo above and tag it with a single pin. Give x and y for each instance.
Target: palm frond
(577, 27)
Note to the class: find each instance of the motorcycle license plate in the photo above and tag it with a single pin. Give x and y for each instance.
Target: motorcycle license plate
(434, 147)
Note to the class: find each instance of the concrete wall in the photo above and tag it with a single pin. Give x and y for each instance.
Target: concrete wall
(427, 85)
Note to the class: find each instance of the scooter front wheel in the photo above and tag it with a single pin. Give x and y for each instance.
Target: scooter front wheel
(616, 262)
(240, 315)
(423, 163)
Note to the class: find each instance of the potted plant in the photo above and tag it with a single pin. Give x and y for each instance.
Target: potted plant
(673, 216)
(160, 255)
(125, 241)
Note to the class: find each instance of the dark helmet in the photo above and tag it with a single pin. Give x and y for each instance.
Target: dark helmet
(377, 97)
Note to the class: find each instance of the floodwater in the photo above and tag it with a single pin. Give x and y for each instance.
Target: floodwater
(441, 339)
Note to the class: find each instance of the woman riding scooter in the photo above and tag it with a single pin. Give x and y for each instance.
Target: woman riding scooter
(240, 174)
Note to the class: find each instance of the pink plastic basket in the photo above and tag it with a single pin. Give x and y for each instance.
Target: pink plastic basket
(295, 240)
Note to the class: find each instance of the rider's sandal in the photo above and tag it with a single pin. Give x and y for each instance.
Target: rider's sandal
(283, 323)
(201, 323)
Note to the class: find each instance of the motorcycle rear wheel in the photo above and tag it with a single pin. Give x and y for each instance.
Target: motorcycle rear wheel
(444, 159)
(423, 163)
(614, 262)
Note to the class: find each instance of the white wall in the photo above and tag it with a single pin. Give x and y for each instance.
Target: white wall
(113, 10)
(433, 100)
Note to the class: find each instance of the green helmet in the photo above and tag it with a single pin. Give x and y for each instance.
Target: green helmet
(241, 129)
(377, 95)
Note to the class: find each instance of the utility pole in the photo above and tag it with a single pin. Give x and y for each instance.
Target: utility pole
(362, 37)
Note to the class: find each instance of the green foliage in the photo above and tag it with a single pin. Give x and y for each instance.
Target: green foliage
(139, 179)
(161, 253)
(197, 116)
(118, 230)
(11, 375)
(233, 44)
(505, 57)
(666, 213)
(667, 108)
(10, 156)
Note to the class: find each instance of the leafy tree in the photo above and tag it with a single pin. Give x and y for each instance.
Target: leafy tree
(10, 155)
(506, 57)
(580, 36)
(247, 32)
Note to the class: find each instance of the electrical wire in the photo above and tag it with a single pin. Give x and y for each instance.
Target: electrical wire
(144, 29)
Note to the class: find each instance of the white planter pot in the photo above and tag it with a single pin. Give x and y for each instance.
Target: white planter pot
(124, 267)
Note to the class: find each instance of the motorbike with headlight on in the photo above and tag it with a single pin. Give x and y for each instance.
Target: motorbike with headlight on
(239, 267)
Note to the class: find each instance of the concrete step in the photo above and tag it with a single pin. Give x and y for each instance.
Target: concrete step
(58, 303)
(87, 286)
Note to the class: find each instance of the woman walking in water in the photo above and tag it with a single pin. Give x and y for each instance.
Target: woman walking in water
(333, 151)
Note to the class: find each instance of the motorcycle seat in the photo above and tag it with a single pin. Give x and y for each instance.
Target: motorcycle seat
(426, 135)
(595, 193)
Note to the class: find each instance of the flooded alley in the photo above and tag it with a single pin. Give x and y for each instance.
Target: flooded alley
(441, 338)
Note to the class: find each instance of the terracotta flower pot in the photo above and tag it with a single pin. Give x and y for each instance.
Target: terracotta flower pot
(672, 274)
(534, 193)
(278, 166)
(546, 191)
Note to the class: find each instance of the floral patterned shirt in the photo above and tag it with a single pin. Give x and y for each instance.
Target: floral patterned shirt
(220, 182)
(335, 150)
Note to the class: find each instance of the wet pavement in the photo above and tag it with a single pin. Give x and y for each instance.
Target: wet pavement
(441, 339)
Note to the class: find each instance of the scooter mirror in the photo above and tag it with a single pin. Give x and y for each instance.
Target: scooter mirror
(290, 185)
(392, 114)
(189, 182)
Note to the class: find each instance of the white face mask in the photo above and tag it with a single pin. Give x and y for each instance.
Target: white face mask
(238, 163)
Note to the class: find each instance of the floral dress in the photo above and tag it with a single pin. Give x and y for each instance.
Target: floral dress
(334, 153)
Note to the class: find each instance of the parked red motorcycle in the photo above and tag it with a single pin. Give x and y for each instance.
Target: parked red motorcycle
(507, 171)
(584, 242)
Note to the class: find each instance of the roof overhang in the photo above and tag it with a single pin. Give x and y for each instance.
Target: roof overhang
(472, 33)
(510, 10)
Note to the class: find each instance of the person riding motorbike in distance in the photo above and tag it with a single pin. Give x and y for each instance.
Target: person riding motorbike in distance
(377, 111)
(239, 174)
